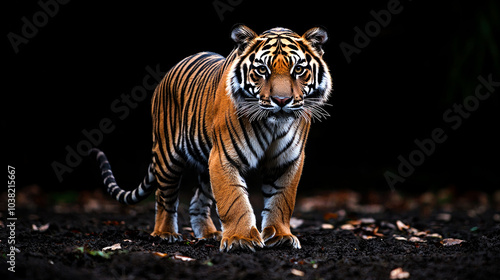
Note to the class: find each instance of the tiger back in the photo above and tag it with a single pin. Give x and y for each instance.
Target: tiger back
(226, 116)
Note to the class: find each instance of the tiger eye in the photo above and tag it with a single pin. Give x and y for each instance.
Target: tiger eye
(262, 70)
(298, 69)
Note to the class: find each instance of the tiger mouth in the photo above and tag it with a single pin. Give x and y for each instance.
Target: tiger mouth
(281, 104)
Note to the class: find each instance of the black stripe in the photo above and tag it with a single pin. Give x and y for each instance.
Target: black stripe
(171, 194)
(269, 130)
(169, 187)
(262, 134)
(172, 175)
(273, 183)
(170, 211)
(257, 135)
(230, 206)
(247, 137)
(268, 195)
(198, 121)
(287, 146)
(282, 214)
(165, 150)
(241, 155)
(207, 195)
(239, 219)
(198, 214)
(240, 186)
(229, 159)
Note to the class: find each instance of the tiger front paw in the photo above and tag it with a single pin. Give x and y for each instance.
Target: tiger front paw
(170, 237)
(274, 238)
(236, 241)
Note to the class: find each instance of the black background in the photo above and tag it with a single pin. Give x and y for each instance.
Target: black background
(394, 91)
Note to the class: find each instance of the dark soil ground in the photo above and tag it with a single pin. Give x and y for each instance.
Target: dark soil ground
(344, 235)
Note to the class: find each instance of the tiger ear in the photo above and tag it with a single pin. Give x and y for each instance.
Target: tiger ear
(242, 35)
(317, 36)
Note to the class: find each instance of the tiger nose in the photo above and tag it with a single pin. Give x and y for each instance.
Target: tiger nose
(281, 100)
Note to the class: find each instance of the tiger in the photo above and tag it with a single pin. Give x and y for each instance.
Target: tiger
(224, 117)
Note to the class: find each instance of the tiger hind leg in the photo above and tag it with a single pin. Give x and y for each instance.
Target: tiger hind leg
(199, 211)
(167, 202)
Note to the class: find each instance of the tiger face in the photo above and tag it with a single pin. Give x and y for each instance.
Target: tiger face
(279, 75)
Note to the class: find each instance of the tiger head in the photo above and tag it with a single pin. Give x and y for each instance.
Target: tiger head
(279, 75)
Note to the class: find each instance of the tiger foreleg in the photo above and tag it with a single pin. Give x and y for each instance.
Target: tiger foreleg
(279, 191)
(233, 206)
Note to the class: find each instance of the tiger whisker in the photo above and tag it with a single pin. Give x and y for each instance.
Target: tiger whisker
(316, 101)
(247, 109)
(316, 110)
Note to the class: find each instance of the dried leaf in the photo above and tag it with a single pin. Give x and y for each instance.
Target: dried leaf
(368, 228)
(347, 227)
(354, 222)
(297, 272)
(416, 239)
(367, 237)
(375, 231)
(183, 258)
(399, 273)
(42, 228)
(434, 235)
(113, 247)
(401, 238)
(367, 220)
(327, 226)
(159, 254)
(422, 233)
(401, 226)
(295, 223)
(413, 230)
(451, 241)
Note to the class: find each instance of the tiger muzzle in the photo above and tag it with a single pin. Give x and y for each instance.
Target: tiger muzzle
(281, 101)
